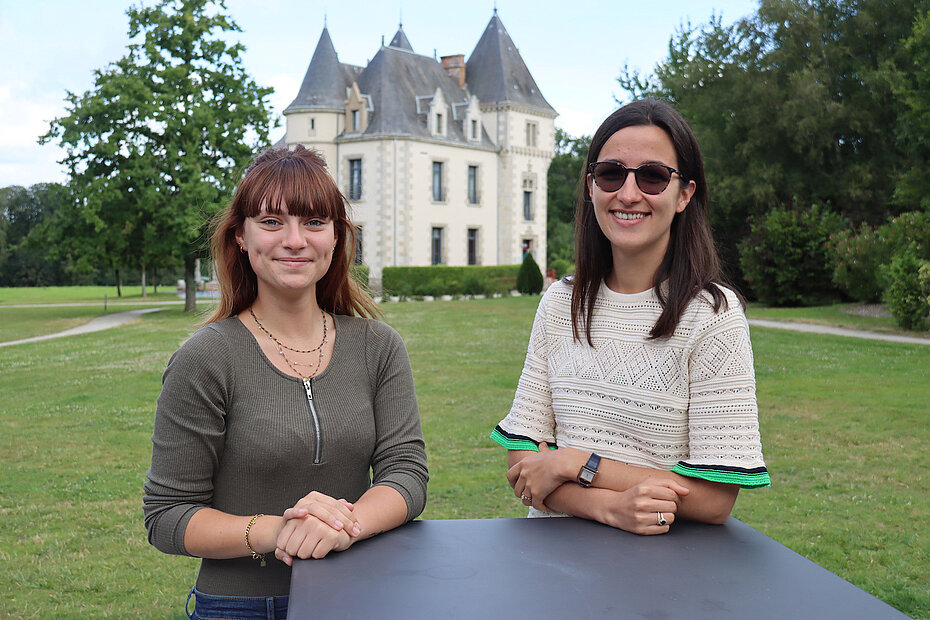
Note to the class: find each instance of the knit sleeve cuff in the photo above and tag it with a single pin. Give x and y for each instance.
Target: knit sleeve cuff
(753, 478)
(516, 442)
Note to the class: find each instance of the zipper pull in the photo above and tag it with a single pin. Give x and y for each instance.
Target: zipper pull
(308, 389)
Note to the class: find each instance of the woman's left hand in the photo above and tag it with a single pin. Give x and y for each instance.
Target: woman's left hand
(537, 475)
(309, 537)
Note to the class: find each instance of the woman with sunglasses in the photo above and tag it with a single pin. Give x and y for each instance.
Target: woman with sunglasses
(287, 426)
(636, 406)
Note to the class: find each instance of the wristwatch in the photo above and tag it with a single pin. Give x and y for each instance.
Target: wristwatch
(589, 470)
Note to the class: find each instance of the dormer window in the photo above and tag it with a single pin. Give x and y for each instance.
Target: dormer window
(474, 130)
(439, 126)
(358, 110)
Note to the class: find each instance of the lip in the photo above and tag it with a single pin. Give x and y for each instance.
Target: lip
(292, 261)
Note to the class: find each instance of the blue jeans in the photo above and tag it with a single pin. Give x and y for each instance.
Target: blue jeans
(211, 607)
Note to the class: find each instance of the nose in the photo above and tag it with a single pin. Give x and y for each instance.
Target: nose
(294, 237)
(629, 191)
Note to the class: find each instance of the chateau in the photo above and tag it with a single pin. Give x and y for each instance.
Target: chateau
(443, 161)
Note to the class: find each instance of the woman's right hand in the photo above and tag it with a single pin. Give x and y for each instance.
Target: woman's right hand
(309, 537)
(638, 508)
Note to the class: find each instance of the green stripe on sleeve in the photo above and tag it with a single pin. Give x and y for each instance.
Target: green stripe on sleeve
(514, 443)
(748, 479)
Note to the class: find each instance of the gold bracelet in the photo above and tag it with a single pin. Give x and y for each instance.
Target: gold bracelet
(255, 555)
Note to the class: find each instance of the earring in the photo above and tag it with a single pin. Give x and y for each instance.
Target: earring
(242, 249)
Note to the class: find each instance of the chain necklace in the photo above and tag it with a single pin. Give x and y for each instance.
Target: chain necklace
(281, 346)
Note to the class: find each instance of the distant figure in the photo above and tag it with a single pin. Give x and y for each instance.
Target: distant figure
(639, 368)
(288, 424)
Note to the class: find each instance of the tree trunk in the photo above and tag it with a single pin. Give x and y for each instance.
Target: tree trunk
(155, 280)
(119, 283)
(190, 285)
(143, 282)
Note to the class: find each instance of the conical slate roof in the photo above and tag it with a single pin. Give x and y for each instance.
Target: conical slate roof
(326, 80)
(400, 40)
(496, 73)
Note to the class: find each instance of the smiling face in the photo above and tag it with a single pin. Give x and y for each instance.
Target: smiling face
(288, 253)
(636, 224)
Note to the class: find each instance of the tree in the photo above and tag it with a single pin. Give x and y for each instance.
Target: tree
(22, 212)
(161, 140)
(912, 84)
(529, 278)
(792, 106)
(562, 180)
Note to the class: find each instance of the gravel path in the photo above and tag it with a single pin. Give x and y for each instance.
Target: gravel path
(838, 331)
(95, 325)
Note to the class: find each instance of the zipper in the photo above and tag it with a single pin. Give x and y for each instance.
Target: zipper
(315, 419)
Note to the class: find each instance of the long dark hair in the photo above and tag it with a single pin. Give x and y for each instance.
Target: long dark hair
(690, 263)
(299, 180)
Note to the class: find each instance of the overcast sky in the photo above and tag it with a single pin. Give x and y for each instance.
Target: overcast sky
(575, 51)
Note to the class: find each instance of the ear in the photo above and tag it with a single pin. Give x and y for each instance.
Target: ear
(684, 196)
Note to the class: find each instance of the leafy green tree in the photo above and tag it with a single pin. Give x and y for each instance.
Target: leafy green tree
(160, 141)
(912, 85)
(793, 105)
(23, 211)
(562, 181)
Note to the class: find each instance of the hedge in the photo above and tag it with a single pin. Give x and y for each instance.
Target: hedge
(438, 280)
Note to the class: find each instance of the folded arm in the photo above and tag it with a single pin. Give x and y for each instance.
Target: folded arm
(549, 478)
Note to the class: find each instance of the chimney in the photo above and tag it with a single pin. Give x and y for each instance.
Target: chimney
(455, 67)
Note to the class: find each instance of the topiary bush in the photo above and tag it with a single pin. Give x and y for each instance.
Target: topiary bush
(905, 295)
(786, 259)
(529, 278)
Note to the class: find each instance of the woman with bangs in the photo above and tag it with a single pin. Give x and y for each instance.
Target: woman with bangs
(637, 406)
(287, 425)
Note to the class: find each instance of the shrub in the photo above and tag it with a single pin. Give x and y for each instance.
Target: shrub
(857, 261)
(562, 267)
(785, 257)
(529, 279)
(905, 298)
(438, 280)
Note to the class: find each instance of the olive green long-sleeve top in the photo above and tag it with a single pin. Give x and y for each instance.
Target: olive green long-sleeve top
(234, 433)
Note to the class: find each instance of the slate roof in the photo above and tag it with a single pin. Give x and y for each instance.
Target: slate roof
(326, 80)
(396, 77)
(496, 73)
(400, 40)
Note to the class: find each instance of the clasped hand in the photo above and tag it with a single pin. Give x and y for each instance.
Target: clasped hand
(537, 475)
(314, 526)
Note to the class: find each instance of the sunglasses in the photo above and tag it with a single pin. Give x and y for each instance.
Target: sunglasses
(650, 178)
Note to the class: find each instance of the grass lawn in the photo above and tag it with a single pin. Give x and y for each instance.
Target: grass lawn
(81, 294)
(843, 422)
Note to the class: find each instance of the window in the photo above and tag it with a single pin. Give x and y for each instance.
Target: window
(527, 205)
(439, 123)
(356, 120)
(355, 179)
(438, 193)
(312, 123)
(531, 130)
(474, 130)
(527, 247)
(472, 246)
(437, 246)
(473, 185)
(358, 245)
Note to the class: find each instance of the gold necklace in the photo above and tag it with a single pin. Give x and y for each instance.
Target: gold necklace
(281, 346)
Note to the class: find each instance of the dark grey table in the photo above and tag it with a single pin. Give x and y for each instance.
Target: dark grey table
(572, 568)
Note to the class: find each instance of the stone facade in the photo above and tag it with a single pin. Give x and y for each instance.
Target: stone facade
(443, 161)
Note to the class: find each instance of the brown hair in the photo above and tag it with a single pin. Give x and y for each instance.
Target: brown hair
(298, 181)
(690, 263)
